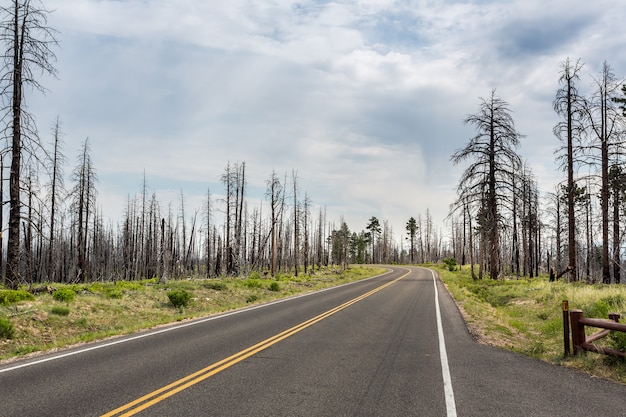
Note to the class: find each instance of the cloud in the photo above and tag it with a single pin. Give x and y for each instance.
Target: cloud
(531, 36)
(365, 99)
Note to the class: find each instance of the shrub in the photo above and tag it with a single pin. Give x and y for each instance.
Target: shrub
(215, 285)
(274, 286)
(13, 296)
(83, 322)
(60, 310)
(543, 315)
(614, 300)
(113, 292)
(254, 275)
(602, 307)
(252, 298)
(129, 285)
(617, 340)
(64, 294)
(96, 287)
(253, 283)
(450, 263)
(179, 298)
(77, 288)
(7, 330)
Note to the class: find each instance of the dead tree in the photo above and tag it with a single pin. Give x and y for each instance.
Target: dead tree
(569, 105)
(274, 192)
(83, 202)
(489, 179)
(28, 43)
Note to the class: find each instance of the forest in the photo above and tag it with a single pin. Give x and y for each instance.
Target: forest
(501, 224)
(57, 233)
(504, 225)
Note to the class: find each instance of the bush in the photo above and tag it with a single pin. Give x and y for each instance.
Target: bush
(254, 275)
(215, 285)
(617, 340)
(7, 330)
(13, 296)
(253, 283)
(129, 285)
(252, 298)
(64, 295)
(450, 263)
(60, 310)
(179, 298)
(274, 286)
(113, 292)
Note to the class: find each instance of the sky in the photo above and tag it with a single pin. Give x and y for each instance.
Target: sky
(365, 100)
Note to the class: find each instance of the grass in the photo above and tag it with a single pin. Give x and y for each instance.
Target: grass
(79, 313)
(525, 316)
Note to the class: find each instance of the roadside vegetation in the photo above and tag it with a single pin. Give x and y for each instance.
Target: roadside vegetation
(59, 315)
(525, 315)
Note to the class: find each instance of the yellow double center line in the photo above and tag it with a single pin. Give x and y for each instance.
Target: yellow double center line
(167, 391)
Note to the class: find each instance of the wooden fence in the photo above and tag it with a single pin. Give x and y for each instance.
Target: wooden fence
(580, 341)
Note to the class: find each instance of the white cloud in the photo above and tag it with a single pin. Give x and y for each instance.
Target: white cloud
(364, 98)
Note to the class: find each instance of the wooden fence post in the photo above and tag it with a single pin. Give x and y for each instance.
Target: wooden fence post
(566, 349)
(578, 331)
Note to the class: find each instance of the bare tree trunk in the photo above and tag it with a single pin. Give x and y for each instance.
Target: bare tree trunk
(1, 215)
(296, 228)
(603, 114)
(83, 196)
(471, 248)
(56, 184)
(306, 233)
(568, 105)
(616, 177)
(559, 261)
(29, 41)
(274, 190)
(604, 192)
(208, 234)
(241, 183)
(27, 257)
(13, 246)
(515, 261)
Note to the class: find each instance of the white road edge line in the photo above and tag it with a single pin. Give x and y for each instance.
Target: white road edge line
(445, 369)
(124, 339)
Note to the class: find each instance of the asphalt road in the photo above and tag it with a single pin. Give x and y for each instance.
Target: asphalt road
(372, 348)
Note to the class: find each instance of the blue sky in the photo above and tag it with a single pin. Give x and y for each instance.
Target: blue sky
(365, 99)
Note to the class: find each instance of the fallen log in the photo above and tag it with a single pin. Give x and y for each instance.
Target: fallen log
(565, 271)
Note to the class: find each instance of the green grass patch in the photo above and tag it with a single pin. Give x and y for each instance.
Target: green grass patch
(60, 310)
(215, 285)
(103, 309)
(65, 295)
(525, 315)
(254, 283)
(8, 297)
(7, 329)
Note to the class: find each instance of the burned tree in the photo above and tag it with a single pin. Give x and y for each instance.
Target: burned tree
(28, 43)
(83, 202)
(489, 180)
(569, 105)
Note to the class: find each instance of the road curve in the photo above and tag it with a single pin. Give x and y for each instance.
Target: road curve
(393, 345)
